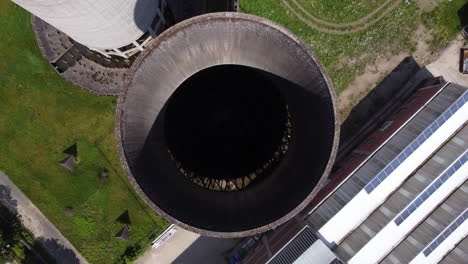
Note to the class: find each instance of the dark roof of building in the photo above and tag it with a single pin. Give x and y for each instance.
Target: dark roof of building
(433, 226)
(294, 249)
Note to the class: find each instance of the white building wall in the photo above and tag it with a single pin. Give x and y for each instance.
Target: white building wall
(99, 24)
(318, 253)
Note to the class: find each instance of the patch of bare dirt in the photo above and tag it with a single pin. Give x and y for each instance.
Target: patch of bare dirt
(373, 74)
(383, 65)
(422, 36)
(447, 62)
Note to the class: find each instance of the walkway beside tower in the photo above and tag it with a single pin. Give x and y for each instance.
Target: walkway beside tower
(188, 247)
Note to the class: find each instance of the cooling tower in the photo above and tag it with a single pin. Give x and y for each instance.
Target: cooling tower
(228, 125)
(100, 24)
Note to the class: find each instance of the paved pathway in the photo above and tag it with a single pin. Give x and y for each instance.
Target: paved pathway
(362, 21)
(170, 249)
(41, 228)
(185, 247)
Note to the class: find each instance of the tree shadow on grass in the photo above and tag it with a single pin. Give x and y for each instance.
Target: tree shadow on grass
(7, 201)
(56, 250)
(60, 253)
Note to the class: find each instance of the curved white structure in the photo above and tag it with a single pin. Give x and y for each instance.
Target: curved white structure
(109, 26)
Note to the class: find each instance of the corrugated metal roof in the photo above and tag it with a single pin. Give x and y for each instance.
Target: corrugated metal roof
(431, 228)
(383, 156)
(458, 255)
(403, 199)
(404, 195)
(298, 245)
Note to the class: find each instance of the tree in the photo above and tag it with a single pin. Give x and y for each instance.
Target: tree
(10, 237)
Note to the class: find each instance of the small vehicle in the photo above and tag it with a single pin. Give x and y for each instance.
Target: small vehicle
(464, 60)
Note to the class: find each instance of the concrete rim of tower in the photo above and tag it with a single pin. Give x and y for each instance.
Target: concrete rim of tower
(225, 16)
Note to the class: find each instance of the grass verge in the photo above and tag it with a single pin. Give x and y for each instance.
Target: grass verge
(346, 56)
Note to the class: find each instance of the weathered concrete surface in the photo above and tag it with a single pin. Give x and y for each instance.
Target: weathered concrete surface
(448, 63)
(72, 61)
(41, 228)
(217, 39)
(52, 42)
(170, 250)
(96, 78)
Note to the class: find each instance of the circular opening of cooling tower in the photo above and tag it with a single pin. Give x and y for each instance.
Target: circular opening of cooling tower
(228, 125)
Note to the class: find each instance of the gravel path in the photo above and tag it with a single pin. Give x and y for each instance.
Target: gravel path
(42, 229)
(341, 32)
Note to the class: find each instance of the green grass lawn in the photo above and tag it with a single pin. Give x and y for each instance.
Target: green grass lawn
(445, 22)
(346, 56)
(40, 116)
(340, 11)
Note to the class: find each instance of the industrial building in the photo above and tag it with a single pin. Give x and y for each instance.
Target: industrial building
(399, 197)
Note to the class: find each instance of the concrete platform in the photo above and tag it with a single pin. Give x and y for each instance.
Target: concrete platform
(188, 247)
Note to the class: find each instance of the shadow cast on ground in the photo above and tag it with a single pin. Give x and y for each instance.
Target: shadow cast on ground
(386, 97)
(463, 15)
(7, 201)
(58, 251)
(206, 250)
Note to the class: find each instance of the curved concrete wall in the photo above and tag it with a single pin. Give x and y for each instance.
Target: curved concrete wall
(102, 24)
(222, 39)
